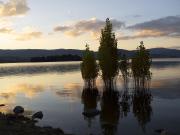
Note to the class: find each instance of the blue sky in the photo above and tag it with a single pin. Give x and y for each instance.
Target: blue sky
(32, 24)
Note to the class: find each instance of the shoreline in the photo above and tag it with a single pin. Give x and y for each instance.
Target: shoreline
(21, 125)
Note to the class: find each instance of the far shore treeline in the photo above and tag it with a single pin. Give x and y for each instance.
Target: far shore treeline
(68, 57)
(25, 55)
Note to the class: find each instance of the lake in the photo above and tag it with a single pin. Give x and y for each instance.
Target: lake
(56, 89)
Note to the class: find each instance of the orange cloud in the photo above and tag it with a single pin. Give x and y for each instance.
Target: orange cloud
(13, 8)
(5, 30)
(149, 33)
(28, 33)
(92, 26)
(143, 34)
(163, 27)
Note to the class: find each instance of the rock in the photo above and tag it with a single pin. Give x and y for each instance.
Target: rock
(37, 115)
(91, 113)
(18, 110)
(12, 124)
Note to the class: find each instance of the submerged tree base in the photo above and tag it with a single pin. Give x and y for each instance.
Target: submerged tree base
(11, 124)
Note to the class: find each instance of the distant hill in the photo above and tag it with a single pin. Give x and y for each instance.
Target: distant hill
(25, 55)
(163, 52)
(156, 53)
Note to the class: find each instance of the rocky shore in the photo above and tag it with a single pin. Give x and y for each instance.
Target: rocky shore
(13, 124)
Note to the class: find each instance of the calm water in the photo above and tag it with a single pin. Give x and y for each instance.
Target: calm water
(56, 89)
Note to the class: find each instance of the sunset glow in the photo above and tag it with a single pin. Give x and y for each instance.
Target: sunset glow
(56, 24)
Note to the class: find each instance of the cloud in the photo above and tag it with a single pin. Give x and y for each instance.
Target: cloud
(6, 26)
(163, 27)
(5, 30)
(142, 34)
(5, 22)
(92, 26)
(13, 8)
(62, 28)
(28, 34)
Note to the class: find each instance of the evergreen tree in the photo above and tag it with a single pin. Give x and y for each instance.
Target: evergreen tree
(108, 54)
(89, 67)
(141, 64)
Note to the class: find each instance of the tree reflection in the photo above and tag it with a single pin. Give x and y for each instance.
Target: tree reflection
(110, 109)
(116, 105)
(125, 103)
(141, 98)
(141, 102)
(90, 98)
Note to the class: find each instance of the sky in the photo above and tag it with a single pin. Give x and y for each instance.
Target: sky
(70, 24)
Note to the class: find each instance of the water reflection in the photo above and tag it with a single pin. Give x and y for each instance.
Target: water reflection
(29, 91)
(141, 103)
(90, 98)
(110, 111)
(39, 68)
(125, 97)
(123, 110)
(125, 103)
(165, 64)
(116, 104)
(70, 90)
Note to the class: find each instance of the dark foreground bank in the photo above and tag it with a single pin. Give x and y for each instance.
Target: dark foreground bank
(18, 124)
(11, 124)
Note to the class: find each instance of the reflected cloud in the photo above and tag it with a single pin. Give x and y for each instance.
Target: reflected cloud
(72, 86)
(71, 91)
(30, 91)
(8, 96)
(166, 88)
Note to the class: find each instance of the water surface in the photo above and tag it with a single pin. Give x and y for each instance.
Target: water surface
(56, 89)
